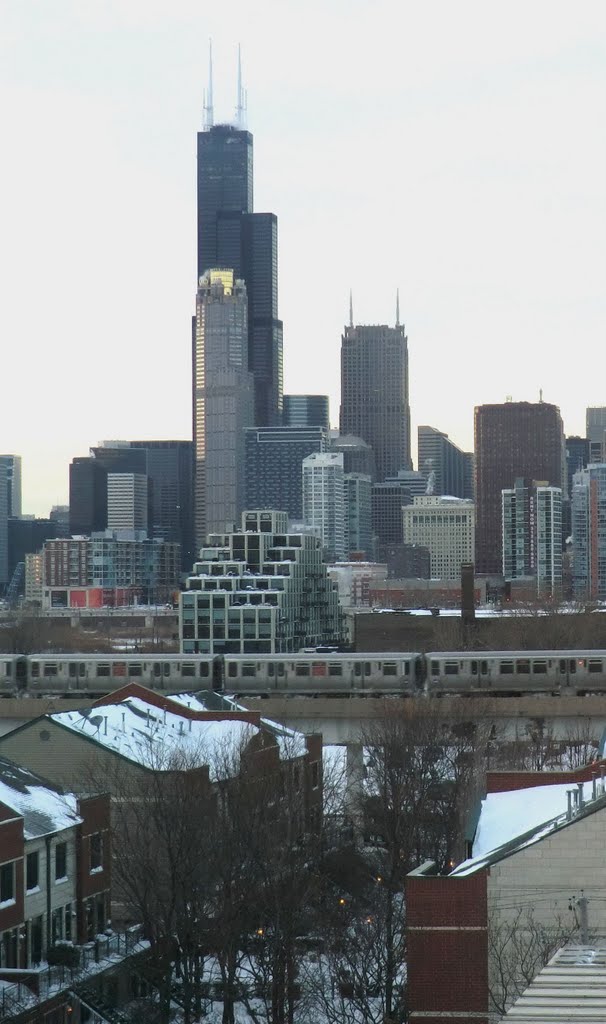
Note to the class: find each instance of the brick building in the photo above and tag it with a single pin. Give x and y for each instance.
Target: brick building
(537, 853)
(54, 866)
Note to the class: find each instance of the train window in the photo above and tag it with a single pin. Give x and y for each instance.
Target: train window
(8, 668)
(35, 670)
(451, 668)
(103, 669)
(50, 668)
(595, 665)
(119, 668)
(232, 671)
(539, 668)
(72, 670)
(523, 667)
(157, 670)
(435, 668)
(389, 668)
(562, 664)
(572, 666)
(249, 669)
(335, 670)
(357, 669)
(187, 669)
(270, 669)
(406, 668)
(204, 668)
(484, 668)
(318, 668)
(280, 667)
(506, 668)
(135, 670)
(81, 669)
(367, 668)
(166, 668)
(301, 670)
(474, 667)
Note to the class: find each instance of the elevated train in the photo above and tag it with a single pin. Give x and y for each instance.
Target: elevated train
(313, 674)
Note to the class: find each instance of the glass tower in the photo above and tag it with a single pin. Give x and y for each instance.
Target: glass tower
(230, 235)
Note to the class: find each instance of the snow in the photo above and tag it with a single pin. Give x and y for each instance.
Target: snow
(505, 816)
(290, 743)
(152, 737)
(43, 809)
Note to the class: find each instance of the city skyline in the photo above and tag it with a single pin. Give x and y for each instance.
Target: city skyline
(488, 212)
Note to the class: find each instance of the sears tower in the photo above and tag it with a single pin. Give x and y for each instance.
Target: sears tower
(231, 236)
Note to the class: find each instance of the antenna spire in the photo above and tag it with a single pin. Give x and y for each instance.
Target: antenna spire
(351, 323)
(397, 307)
(241, 97)
(209, 119)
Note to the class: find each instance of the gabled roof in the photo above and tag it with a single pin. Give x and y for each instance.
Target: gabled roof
(44, 810)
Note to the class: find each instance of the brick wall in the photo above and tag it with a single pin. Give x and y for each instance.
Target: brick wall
(447, 947)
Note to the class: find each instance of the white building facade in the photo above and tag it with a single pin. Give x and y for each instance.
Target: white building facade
(446, 526)
(324, 501)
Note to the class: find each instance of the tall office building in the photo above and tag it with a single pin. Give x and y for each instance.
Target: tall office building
(358, 457)
(388, 498)
(445, 526)
(532, 534)
(87, 496)
(324, 501)
(274, 458)
(169, 469)
(222, 401)
(358, 514)
(10, 466)
(3, 531)
(231, 235)
(306, 411)
(127, 501)
(595, 423)
(589, 533)
(374, 393)
(447, 469)
(516, 439)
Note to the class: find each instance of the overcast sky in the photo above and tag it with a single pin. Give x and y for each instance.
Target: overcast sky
(454, 150)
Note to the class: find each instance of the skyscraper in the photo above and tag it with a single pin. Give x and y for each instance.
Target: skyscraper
(274, 457)
(10, 465)
(517, 439)
(374, 393)
(306, 411)
(595, 429)
(324, 501)
(589, 533)
(448, 470)
(230, 235)
(223, 402)
(532, 534)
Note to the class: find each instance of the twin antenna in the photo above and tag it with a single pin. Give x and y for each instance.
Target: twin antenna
(241, 100)
(351, 316)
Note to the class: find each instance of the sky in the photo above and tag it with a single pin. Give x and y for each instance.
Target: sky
(454, 151)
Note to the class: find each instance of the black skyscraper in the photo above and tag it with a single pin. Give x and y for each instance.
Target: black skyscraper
(231, 236)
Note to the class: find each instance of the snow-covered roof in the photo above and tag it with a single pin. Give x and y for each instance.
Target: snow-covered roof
(290, 742)
(517, 818)
(153, 737)
(42, 808)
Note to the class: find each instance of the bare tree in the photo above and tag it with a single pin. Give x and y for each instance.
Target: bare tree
(518, 948)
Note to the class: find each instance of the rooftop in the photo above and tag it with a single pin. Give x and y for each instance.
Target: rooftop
(43, 809)
(572, 987)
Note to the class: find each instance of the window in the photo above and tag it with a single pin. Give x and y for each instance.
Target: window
(96, 852)
(506, 668)
(451, 668)
(389, 668)
(60, 862)
(32, 871)
(595, 665)
(7, 883)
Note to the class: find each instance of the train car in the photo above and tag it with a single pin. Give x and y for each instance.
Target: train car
(99, 674)
(316, 674)
(11, 674)
(515, 672)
